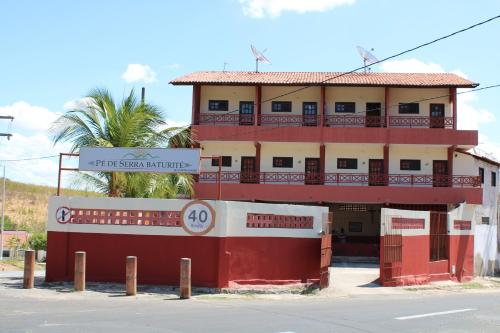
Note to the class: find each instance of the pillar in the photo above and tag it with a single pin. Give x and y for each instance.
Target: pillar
(195, 116)
(29, 269)
(387, 101)
(451, 152)
(322, 107)
(79, 271)
(258, 105)
(185, 278)
(453, 101)
(131, 275)
(257, 161)
(386, 165)
(322, 163)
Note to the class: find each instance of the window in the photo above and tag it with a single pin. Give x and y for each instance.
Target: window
(409, 164)
(310, 108)
(347, 163)
(345, 107)
(282, 106)
(481, 174)
(485, 220)
(218, 105)
(355, 227)
(282, 162)
(493, 179)
(408, 108)
(226, 161)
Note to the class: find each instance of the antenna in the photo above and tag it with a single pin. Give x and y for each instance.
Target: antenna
(259, 57)
(225, 65)
(368, 58)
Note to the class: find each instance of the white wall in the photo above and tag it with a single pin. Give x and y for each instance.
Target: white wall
(409, 95)
(358, 95)
(233, 94)
(363, 153)
(299, 152)
(426, 154)
(225, 148)
(312, 94)
(231, 217)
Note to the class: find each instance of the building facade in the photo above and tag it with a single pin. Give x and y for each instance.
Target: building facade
(355, 142)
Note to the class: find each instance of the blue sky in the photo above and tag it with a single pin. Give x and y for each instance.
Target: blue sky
(54, 52)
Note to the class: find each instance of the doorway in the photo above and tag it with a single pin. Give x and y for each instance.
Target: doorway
(248, 174)
(246, 113)
(310, 114)
(312, 171)
(436, 116)
(440, 173)
(373, 118)
(376, 172)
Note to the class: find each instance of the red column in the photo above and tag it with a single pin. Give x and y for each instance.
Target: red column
(386, 164)
(387, 106)
(322, 163)
(257, 160)
(451, 151)
(322, 107)
(258, 105)
(453, 101)
(196, 104)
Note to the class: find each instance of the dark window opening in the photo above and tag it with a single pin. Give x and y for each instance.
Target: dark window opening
(493, 179)
(282, 162)
(408, 108)
(281, 106)
(481, 175)
(345, 107)
(347, 163)
(226, 161)
(218, 105)
(409, 164)
(355, 227)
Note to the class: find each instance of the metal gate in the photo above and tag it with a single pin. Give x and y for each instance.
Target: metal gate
(392, 258)
(326, 251)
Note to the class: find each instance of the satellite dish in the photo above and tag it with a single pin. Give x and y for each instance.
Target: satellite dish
(368, 58)
(259, 57)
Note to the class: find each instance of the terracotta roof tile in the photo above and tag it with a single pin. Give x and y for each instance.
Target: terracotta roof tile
(326, 78)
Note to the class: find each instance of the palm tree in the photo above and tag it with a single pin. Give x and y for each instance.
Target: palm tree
(99, 122)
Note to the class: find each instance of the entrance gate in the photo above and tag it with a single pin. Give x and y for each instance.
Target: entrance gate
(326, 251)
(392, 259)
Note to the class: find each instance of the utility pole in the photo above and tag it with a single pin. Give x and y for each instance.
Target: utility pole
(8, 135)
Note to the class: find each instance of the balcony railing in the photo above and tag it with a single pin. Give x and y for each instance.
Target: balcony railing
(348, 120)
(346, 179)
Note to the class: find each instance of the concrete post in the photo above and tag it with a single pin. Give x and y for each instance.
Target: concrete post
(29, 269)
(131, 276)
(79, 271)
(185, 283)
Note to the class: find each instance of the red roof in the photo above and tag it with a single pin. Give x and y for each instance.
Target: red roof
(326, 78)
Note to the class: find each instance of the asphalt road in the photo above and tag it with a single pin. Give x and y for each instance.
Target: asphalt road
(469, 312)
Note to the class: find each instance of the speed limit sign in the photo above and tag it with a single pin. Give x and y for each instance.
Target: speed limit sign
(198, 218)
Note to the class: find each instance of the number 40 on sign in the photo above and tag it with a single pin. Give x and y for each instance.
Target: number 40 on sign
(198, 218)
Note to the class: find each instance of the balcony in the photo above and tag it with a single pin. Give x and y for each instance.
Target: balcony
(345, 179)
(328, 121)
(340, 187)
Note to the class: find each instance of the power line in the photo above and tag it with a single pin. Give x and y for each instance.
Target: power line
(379, 61)
(30, 158)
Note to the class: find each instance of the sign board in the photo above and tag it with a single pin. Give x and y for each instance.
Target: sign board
(407, 223)
(462, 225)
(197, 218)
(160, 160)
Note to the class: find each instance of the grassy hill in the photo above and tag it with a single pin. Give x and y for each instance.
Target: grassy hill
(26, 204)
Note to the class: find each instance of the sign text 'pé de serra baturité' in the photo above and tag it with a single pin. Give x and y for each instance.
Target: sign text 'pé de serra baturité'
(164, 160)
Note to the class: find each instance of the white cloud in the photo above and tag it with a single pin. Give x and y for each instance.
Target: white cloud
(139, 72)
(29, 117)
(77, 104)
(410, 66)
(274, 8)
(39, 171)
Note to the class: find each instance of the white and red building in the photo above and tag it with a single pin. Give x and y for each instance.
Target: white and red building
(357, 143)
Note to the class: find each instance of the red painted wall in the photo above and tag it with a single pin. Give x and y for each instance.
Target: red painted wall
(215, 260)
(414, 267)
(332, 193)
(337, 134)
(462, 256)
